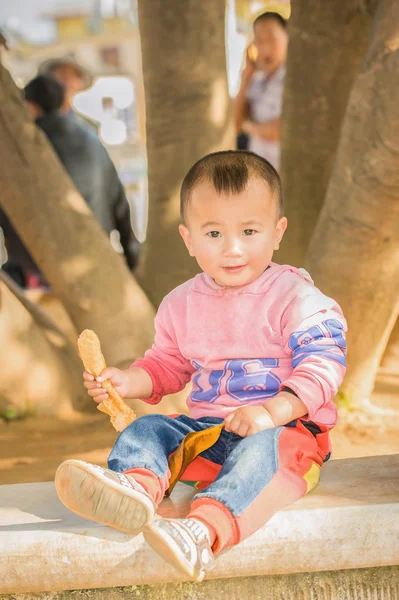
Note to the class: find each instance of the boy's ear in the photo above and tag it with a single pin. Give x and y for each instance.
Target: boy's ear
(280, 229)
(186, 235)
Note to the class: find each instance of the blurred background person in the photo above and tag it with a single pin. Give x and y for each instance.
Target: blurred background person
(90, 168)
(74, 77)
(258, 104)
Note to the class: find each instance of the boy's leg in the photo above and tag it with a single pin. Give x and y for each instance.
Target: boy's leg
(262, 474)
(144, 450)
(185, 543)
(125, 495)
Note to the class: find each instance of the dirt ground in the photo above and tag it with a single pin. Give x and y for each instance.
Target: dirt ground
(31, 450)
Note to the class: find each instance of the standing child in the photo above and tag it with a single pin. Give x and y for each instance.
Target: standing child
(265, 351)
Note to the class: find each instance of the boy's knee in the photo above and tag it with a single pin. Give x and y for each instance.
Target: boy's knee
(139, 441)
(141, 429)
(147, 424)
(258, 446)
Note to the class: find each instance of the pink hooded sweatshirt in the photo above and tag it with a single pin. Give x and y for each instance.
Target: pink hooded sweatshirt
(242, 345)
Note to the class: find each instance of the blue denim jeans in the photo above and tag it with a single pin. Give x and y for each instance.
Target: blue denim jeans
(254, 471)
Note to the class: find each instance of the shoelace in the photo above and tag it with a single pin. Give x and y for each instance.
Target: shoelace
(127, 482)
(193, 527)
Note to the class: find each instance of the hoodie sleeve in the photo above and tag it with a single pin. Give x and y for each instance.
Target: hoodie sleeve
(169, 370)
(313, 329)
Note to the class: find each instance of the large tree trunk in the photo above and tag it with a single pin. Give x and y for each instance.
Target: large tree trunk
(187, 116)
(354, 252)
(328, 40)
(91, 280)
(40, 370)
(390, 359)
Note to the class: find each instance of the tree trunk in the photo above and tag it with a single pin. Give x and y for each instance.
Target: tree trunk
(187, 116)
(40, 370)
(55, 310)
(390, 359)
(328, 40)
(354, 252)
(91, 280)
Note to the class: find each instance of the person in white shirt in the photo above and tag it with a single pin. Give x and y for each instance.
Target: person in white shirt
(258, 105)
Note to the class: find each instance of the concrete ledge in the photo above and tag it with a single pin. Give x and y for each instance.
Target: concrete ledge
(350, 521)
(381, 583)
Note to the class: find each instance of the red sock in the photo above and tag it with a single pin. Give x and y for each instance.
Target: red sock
(153, 485)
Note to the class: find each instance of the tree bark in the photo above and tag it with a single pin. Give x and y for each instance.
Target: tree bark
(390, 359)
(187, 116)
(354, 252)
(328, 40)
(40, 370)
(53, 220)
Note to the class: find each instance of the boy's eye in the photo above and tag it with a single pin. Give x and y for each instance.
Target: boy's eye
(249, 231)
(213, 234)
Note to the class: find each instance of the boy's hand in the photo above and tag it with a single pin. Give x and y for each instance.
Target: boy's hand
(118, 378)
(248, 420)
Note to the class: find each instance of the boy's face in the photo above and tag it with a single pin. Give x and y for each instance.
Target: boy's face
(271, 41)
(233, 237)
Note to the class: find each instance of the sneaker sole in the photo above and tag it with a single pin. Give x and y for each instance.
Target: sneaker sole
(90, 494)
(165, 547)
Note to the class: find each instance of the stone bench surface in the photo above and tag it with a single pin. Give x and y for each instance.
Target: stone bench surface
(351, 520)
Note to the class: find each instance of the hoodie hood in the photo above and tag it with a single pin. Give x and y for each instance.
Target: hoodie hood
(204, 284)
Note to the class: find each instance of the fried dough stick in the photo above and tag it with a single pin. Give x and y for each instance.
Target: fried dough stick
(114, 406)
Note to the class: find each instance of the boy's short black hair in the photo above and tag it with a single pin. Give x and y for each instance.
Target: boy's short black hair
(229, 171)
(45, 91)
(269, 16)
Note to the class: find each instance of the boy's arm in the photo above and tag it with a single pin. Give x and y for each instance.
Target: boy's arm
(168, 370)
(285, 407)
(314, 334)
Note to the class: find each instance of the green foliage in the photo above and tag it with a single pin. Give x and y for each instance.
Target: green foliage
(11, 414)
(343, 401)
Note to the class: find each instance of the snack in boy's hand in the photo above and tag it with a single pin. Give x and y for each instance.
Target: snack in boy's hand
(90, 353)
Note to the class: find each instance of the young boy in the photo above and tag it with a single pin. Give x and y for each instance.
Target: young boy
(265, 351)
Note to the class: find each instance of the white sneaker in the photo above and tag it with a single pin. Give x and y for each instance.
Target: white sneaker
(104, 496)
(184, 543)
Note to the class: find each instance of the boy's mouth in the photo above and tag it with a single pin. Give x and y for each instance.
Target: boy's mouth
(235, 269)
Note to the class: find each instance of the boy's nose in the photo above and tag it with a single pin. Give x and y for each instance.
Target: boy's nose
(233, 248)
